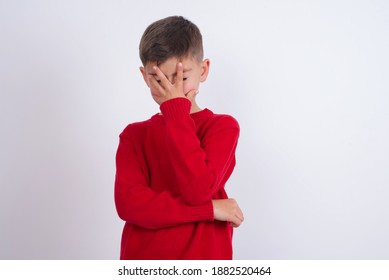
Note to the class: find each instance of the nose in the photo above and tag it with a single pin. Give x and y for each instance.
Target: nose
(172, 79)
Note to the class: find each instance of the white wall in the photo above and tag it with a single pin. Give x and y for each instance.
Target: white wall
(307, 80)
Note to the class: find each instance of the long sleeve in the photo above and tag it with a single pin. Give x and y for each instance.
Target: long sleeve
(138, 204)
(202, 166)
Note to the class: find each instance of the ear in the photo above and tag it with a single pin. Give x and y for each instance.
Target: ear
(204, 69)
(144, 74)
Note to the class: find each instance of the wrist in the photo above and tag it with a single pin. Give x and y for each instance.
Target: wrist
(176, 108)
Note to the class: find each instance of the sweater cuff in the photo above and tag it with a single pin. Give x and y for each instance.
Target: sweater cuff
(203, 212)
(176, 108)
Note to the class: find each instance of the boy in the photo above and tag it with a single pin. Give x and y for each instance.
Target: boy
(171, 169)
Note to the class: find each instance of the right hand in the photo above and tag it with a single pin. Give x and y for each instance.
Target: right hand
(168, 90)
(227, 210)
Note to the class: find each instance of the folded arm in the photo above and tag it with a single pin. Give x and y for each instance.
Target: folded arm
(138, 204)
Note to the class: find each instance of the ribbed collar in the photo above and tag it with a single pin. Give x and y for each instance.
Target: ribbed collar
(205, 113)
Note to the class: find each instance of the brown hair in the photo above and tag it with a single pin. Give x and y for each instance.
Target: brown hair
(173, 36)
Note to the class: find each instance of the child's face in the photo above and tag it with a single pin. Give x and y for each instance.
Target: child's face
(195, 72)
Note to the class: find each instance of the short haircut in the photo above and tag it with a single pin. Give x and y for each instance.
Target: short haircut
(173, 36)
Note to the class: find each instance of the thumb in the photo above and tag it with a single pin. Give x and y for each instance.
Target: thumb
(192, 94)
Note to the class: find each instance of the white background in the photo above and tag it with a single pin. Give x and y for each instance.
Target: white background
(307, 80)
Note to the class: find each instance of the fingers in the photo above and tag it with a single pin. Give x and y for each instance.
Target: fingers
(154, 84)
(163, 81)
(228, 210)
(237, 215)
(191, 94)
(166, 88)
(180, 75)
(237, 219)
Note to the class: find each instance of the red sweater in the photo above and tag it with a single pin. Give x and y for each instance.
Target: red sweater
(168, 170)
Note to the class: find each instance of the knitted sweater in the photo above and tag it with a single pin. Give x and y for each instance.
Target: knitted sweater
(168, 170)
